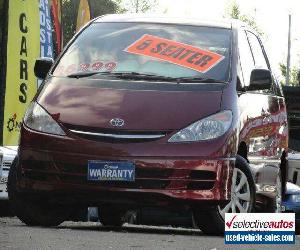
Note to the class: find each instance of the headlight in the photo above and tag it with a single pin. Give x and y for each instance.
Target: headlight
(208, 128)
(38, 119)
(295, 198)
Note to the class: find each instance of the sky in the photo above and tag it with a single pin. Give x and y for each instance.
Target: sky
(271, 17)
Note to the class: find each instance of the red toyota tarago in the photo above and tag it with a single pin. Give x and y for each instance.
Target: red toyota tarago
(152, 112)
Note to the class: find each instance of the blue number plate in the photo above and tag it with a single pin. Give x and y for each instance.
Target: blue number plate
(110, 171)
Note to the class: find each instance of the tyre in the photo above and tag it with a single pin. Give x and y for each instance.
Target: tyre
(131, 217)
(274, 205)
(111, 216)
(242, 201)
(33, 212)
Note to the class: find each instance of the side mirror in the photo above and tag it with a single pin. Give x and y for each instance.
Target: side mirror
(260, 79)
(42, 67)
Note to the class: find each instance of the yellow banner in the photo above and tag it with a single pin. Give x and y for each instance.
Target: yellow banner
(23, 47)
(84, 14)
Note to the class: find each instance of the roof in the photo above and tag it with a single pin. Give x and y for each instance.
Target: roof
(143, 18)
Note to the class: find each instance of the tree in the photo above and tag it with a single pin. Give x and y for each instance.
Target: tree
(294, 71)
(69, 14)
(235, 13)
(139, 6)
(102, 7)
(98, 8)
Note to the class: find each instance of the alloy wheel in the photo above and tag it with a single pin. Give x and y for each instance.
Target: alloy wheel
(240, 195)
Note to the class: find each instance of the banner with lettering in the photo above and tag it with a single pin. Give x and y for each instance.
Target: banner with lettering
(46, 35)
(56, 14)
(23, 47)
(46, 29)
(84, 14)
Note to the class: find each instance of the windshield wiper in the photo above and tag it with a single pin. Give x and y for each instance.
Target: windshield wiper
(143, 76)
(198, 80)
(139, 76)
(124, 75)
(82, 74)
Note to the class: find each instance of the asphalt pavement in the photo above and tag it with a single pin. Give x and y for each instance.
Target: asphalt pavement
(86, 235)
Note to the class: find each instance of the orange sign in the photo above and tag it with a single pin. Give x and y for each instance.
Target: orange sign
(175, 52)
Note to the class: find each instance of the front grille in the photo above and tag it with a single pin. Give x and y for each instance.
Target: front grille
(115, 135)
(71, 168)
(36, 176)
(6, 165)
(202, 175)
(37, 165)
(139, 172)
(118, 137)
(200, 185)
(145, 177)
(137, 184)
(141, 183)
(153, 172)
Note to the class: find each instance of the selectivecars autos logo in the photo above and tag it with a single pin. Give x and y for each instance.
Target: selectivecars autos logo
(260, 228)
(229, 223)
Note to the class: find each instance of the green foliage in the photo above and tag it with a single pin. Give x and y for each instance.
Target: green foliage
(69, 15)
(252, 23)
(102, 7)
(120, 9)
(139, 6)
(282, 67)
(235, 13)
(294, 74)
(98, 8)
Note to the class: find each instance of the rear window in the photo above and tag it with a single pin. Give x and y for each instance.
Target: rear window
(160, 49)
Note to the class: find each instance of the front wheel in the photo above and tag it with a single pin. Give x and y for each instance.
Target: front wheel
(242, 201)
(33, 212)
(111, 216)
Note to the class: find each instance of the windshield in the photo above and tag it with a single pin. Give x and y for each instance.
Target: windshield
(165, 50)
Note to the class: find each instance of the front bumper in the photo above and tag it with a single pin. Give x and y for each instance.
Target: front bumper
(57, 167)
(184, 179)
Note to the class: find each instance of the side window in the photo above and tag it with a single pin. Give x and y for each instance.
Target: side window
(246, 57)
(260, 59)
(258, 55)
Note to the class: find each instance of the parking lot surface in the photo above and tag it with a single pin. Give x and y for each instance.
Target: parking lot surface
(70, 235)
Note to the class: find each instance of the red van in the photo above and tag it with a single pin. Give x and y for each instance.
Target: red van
(143, 111)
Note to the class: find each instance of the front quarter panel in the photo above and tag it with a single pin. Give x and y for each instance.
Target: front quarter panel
(264, 131)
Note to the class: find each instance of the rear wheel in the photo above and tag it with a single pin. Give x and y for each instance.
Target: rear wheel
(33, 212)
(111, 216)
(242, 201)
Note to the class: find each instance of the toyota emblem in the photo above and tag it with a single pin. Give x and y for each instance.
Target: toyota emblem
(117, 122)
